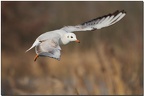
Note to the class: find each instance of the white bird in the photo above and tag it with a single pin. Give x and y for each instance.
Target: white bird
(48, 44)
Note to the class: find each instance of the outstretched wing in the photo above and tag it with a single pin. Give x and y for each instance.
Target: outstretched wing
(50, 48)
(97, 23)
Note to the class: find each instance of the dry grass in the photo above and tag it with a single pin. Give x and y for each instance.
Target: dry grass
(77, 73)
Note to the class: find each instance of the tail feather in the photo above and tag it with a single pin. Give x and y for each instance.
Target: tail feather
(34, 44)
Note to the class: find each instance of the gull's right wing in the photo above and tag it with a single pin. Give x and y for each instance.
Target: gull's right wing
(97, 23)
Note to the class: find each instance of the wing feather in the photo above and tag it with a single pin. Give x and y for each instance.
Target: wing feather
(50, 48)
(97, 23)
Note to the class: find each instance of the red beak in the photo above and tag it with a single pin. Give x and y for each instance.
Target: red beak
(77, 41)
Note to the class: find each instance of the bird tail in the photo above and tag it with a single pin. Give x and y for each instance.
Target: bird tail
(34, 44)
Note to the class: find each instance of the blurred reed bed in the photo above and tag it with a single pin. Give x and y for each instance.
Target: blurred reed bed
(106, 62)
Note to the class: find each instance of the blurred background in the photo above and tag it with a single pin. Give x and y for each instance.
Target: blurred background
(106, 62)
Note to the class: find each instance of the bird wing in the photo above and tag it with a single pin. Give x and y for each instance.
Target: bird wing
(50, 48)
(97, 23)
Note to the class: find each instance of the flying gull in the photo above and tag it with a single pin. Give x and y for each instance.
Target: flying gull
(48, 44)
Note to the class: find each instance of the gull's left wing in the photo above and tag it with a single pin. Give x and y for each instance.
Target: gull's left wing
(97, 23)
(50, 48)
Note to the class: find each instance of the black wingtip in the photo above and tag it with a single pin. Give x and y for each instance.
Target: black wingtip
(110, 14)
(123, 11)
(117, 12)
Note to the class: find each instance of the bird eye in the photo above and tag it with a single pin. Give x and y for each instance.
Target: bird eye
(71, 36)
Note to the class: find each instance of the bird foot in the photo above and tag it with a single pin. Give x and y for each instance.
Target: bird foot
(36, 57)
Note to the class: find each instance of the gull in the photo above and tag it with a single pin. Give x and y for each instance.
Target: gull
(48, 43)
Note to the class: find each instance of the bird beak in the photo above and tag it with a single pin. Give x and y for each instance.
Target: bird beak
(77, 41)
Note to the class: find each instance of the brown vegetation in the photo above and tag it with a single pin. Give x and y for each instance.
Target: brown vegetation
(107, 61)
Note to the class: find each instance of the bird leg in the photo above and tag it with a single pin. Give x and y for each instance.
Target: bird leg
(36, 57)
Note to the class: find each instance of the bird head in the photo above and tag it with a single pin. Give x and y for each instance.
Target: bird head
(71, 37)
